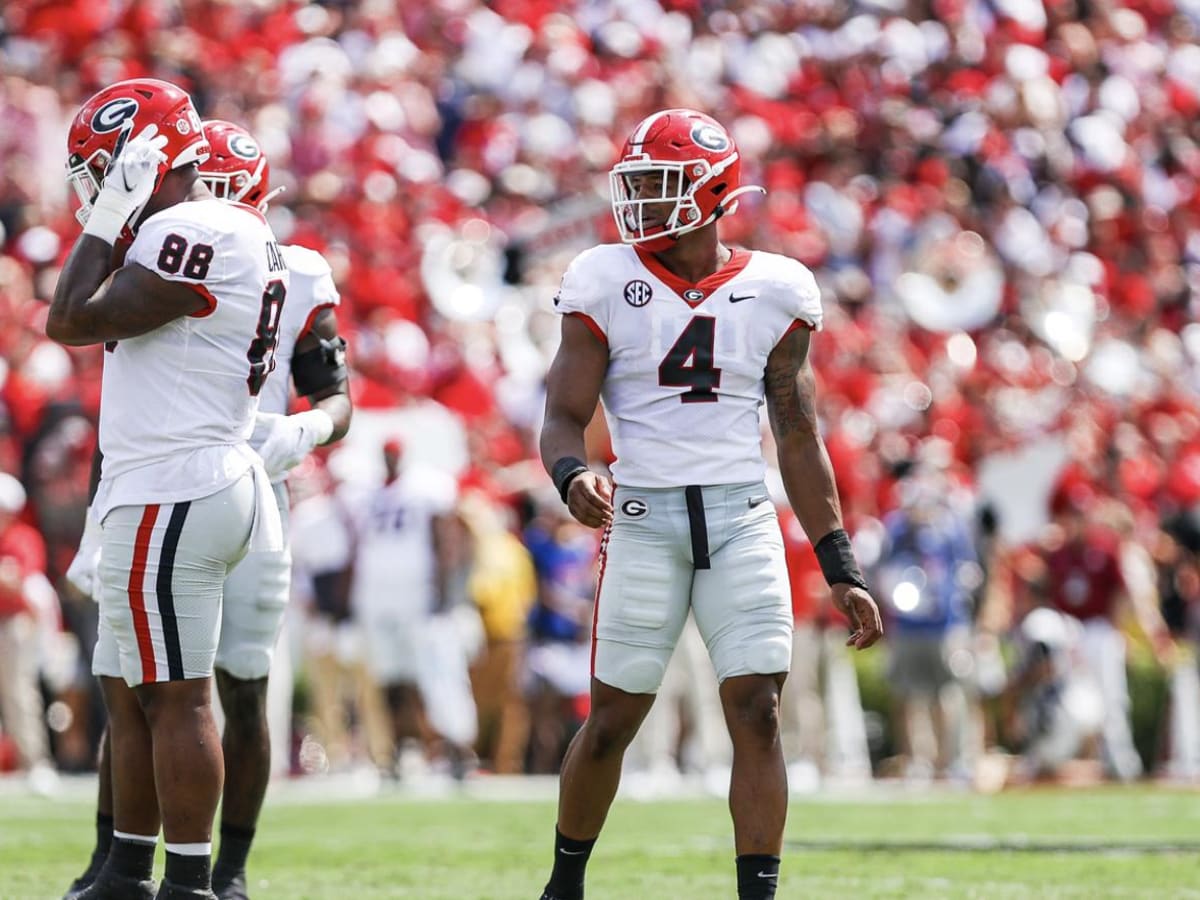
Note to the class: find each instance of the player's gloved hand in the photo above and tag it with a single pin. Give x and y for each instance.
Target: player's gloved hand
(82, 572)
(128, 183)
(589, 498)
(283, 441)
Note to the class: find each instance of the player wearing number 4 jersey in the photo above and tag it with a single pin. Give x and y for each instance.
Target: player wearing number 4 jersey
(190, 322)
(682, 338)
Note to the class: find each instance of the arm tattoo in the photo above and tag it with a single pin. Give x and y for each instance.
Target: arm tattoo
(791, 388)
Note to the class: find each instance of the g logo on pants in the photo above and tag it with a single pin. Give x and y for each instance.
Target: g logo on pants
(635, 508)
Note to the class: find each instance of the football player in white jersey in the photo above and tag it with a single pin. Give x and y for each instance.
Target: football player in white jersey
(190, 322)
(257, 588)
(683, 338)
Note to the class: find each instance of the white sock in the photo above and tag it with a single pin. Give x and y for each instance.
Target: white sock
(151, 839)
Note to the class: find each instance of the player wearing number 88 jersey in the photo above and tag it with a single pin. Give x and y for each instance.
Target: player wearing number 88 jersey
(190, 321)
(683, 339)
(203, 371)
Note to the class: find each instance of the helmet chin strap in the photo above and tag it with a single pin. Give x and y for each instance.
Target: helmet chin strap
(262, 204)
(727, 206)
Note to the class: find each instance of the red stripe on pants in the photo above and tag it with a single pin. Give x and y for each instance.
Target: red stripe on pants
(137, 599)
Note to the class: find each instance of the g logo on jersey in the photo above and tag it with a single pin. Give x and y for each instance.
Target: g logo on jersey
(240, 145)
(113, 114)
(693, 295)
(635, 508)
(710, 137)
(638, 292)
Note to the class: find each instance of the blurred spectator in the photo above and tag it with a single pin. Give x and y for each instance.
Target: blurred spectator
(1053, 706)
(503, 586)
(1084, 579)
(928, 572)
(559, 671)
(401, 575)
(1178, 556)
(341, 689)
(823, 731)
(22, 563)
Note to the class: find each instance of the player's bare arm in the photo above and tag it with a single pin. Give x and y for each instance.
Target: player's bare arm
(321, 347)
(791, 394)
(135, 301)
(572, 393)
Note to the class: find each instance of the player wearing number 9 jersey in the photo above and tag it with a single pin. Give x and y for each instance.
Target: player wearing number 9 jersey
(190, 322)
(683, 338)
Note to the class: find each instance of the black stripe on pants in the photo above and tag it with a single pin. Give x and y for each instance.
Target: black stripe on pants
(166, 599)
(698, 525)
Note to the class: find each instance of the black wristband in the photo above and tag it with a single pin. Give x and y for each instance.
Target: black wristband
(836, 557)
(564, 472)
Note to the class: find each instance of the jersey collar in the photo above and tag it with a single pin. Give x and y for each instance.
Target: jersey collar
(695, 294)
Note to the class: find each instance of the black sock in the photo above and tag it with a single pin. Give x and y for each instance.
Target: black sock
(189, 871)
(104, 838)
(133, 859)
(235, 847)
(570, 860)
(758, 876)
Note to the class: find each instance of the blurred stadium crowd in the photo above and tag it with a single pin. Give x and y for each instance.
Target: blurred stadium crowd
(1000, 200)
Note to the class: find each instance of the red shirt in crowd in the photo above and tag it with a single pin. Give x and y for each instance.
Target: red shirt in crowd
(1083, 578)
(22, 545)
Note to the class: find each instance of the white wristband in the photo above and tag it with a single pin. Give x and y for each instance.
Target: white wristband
(109, 215)
(319, 421)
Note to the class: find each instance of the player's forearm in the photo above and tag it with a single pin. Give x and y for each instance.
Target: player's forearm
(562, 436)
(808, 480)
(339, 408)
(71, 319)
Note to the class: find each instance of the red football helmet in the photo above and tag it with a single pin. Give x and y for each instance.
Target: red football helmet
(236, 169)
(117, 113)
(685, 158)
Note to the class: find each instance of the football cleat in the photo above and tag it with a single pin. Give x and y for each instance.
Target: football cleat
(170, 891)
(85, 880)
(231, 888)
(110, 886)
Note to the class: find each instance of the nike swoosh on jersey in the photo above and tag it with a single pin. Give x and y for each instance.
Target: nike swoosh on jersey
(733, 298)
(756, 501)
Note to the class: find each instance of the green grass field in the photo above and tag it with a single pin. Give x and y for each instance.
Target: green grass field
(1135, 842)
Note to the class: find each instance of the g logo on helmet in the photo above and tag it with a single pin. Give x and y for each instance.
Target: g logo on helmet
(710, 137)
(113, 114)
(240, 145)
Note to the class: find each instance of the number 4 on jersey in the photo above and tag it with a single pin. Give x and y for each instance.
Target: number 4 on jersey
(689, 363)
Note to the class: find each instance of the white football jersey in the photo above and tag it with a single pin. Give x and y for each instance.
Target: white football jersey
(394, 564)
(310, 290)
(686, 361)
(178, 403)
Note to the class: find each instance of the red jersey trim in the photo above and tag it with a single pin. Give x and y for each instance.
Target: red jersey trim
(738, 260)
(799, 323)
(312, 317)
(208, 298)
(592, 326)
